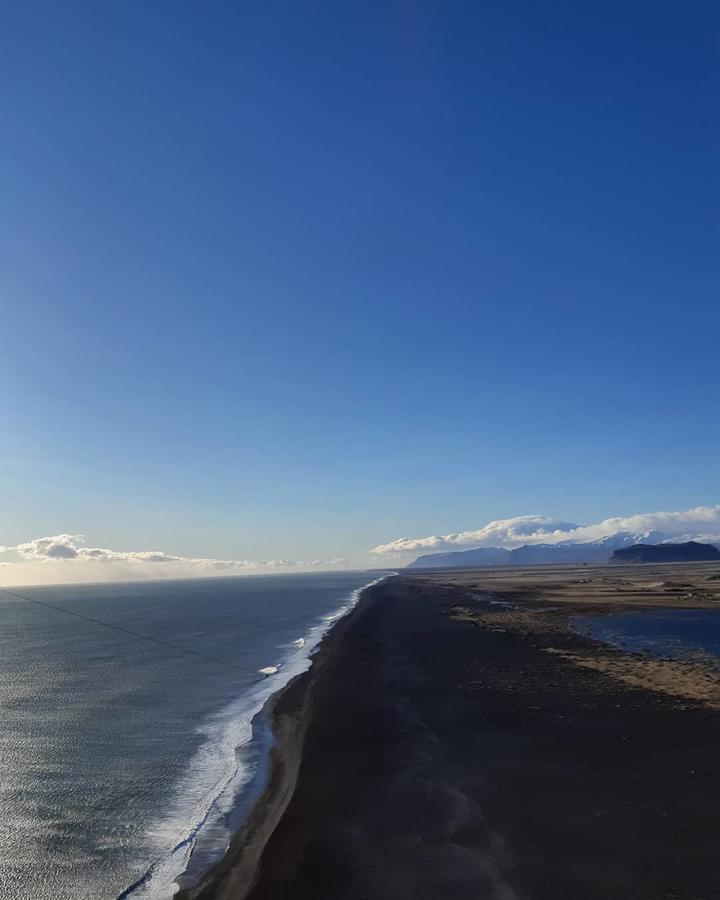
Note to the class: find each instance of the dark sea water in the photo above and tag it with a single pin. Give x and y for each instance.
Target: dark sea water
(673, 633)
(119, 758)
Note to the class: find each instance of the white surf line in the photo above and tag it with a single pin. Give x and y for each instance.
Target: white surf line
(159, 884)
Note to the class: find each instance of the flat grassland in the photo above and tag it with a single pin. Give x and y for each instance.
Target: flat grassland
(681, 585)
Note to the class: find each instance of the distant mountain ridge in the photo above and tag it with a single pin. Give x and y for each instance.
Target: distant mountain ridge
(564, 552)
(690, 551)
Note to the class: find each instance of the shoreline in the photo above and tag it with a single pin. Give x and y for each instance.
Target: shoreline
(286, 714)
(511, 684)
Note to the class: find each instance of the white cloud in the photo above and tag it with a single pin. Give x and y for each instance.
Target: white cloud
(61, 546)
(500, 533)
(66, 557)
(72, 547)
(700, 523)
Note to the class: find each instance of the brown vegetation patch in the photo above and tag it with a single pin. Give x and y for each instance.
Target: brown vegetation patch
(686, 680)
(686, 585)
(527, 621)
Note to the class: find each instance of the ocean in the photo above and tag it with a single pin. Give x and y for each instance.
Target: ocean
(125, 762)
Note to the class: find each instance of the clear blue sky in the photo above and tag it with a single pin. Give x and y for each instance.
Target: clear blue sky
(292, 279)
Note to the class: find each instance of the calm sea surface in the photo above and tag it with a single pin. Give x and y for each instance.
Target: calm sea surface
(674, 633)
(120, 758)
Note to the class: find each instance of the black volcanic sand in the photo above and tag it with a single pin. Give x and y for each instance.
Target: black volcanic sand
(444, 760)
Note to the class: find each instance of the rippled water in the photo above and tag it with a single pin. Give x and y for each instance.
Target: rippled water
(118, 757)
(674, 633)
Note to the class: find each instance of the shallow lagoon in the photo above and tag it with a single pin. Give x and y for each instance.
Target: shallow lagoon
(673, 633)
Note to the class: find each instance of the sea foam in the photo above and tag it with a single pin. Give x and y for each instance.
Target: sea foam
(216, 777)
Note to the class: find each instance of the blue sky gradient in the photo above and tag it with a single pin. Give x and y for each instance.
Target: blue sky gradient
(287, 279)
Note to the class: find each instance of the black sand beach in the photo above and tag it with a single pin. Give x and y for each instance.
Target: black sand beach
(434, 751)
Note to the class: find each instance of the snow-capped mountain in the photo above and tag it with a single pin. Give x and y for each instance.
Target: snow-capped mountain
(598, 551)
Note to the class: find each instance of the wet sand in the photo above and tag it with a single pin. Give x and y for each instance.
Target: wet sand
(441, 747)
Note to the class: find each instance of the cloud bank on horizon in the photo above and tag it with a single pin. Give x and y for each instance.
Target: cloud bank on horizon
(701, 523)
(65, 557)
(68, 558)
